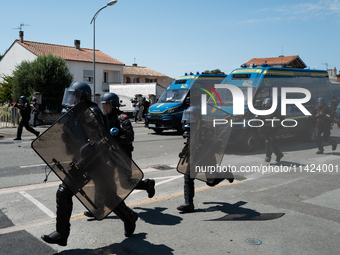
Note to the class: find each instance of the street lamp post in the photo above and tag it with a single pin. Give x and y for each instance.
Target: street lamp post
(94, 44)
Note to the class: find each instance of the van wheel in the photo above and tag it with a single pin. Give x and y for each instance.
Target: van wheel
(158, 130)
(250, 141)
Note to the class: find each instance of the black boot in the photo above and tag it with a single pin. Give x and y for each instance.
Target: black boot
(88, 214)
(128, 216)
(268, 147)
(279, 157)
(189, 193)
(333, 143)
(214, 182)
(64, 210)
(55, 238)
(148, 185)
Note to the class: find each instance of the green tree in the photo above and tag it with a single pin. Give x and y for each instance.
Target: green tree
(46, 74)
(215, 71)
(6, 89)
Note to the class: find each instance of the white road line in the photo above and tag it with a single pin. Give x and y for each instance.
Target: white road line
(29, 187)
(38, 204)
(169, 179)
(33, 165)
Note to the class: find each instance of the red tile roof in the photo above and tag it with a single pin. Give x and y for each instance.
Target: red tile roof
(141, 71)
(281, 60)
(68, 52)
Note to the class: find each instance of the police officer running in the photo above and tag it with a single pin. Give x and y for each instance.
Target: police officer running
(269, 130)
(193, 133)
(25, 111)
(322, 120)
(80, 91)
(119, 120)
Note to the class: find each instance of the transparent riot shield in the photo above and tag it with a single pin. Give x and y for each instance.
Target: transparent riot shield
(204, 149)
(84, 155)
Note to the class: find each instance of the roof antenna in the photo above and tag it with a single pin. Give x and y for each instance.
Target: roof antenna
(21, 32)
(326, 64)
(20, 27)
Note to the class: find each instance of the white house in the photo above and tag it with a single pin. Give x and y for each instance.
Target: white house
(79, 61)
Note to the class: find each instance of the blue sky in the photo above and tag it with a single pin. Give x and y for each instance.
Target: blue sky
(179, 36)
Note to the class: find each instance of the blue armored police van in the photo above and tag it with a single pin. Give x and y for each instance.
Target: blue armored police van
(167, 113)
(262, 80)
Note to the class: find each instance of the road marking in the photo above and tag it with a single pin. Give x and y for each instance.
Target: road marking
(33, 165)
(29, 187)
(38, 204)
(168, 179)
(78, 216)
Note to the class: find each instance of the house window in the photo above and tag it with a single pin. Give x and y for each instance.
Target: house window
(136, 80)
(88, 76)
(105, 77)
(128, 80)
(147, 80)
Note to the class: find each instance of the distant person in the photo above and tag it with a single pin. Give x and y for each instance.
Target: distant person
(146, 105)
(270, 130)
(322, 120)
(35, 111)
(135, 104)
(25, 111)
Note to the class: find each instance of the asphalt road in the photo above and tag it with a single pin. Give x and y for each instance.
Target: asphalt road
(287, 208)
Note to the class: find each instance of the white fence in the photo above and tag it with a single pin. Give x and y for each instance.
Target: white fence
(9, 116)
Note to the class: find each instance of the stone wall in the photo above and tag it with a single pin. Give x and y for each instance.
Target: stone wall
(49, 118)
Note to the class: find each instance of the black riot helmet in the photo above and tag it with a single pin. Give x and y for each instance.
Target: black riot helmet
(191, 114)
(77, 92)
(107, 101)
(321, 102)
(22, 100)
(268, 102)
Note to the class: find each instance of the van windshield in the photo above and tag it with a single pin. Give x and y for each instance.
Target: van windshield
(173, 95)
(227, 97)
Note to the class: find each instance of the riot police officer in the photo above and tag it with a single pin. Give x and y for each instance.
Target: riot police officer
(80, 91)
(269, 130)
(322, 120)
(125, 136)
(25, 111)
(193, 133)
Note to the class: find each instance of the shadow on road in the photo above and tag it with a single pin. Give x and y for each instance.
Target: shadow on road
(237, 213)
(135, 242)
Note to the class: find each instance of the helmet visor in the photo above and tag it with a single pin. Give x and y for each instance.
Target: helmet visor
(71, 97)
(106, 107)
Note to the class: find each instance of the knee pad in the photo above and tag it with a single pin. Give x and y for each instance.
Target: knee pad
(64, 194)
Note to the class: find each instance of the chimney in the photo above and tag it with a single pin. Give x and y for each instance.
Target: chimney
(77, 44)
(21, 36)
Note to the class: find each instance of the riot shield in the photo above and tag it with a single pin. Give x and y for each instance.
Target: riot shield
(204, 150)
(83, 154)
